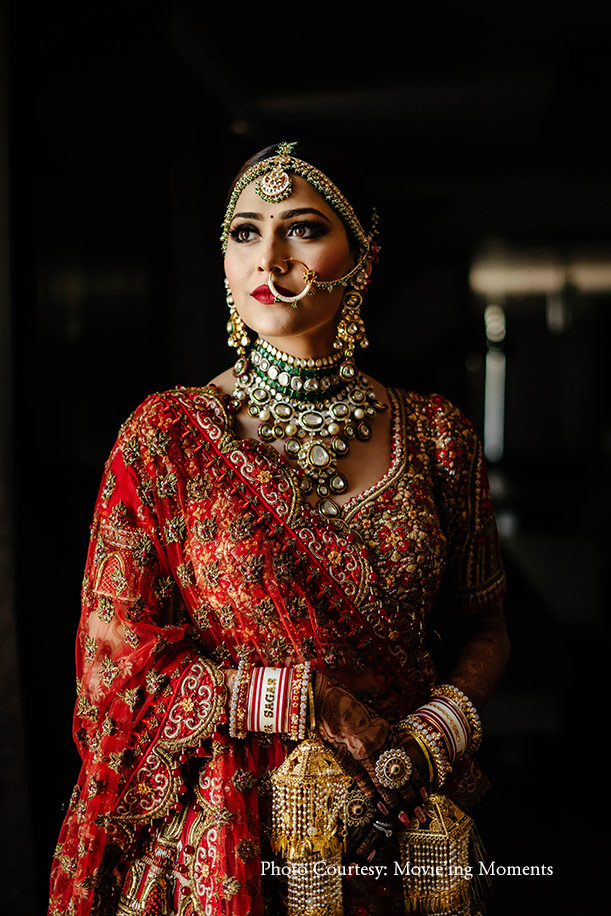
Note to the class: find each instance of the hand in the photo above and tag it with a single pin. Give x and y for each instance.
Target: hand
(231, 675)
(359, 736)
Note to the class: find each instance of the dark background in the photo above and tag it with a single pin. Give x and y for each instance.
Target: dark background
(122, 127)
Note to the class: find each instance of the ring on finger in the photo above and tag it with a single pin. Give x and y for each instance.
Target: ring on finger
(359, 809)
(394, 768)
(384, 828)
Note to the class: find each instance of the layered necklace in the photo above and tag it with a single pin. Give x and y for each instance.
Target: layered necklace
(317, 407)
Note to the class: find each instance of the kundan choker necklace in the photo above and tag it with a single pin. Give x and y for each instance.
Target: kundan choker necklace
(316, 406)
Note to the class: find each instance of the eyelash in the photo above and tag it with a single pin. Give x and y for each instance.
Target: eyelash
(315, 230)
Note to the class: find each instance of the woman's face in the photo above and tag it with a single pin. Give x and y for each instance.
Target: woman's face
(262, 235)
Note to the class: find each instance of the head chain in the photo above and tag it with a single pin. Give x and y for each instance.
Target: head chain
(284, 162)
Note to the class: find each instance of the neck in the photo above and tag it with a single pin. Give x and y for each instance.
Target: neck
(310, 346)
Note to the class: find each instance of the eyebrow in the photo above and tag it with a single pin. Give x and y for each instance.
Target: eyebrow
(286, 214)
(289, 214)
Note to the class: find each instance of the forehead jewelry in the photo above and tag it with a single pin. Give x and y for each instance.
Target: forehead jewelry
(276, 184)
(273, 184)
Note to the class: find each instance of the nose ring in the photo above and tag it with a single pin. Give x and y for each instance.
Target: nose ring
(309, 278)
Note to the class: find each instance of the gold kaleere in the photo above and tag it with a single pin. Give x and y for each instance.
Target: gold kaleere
(436, 862)
(310, 794)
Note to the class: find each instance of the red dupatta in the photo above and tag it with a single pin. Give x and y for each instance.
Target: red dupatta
(157, 597)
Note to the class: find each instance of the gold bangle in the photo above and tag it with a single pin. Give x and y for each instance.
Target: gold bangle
(311, 706)
(404, 727)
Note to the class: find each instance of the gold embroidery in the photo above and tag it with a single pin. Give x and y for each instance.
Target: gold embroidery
(166, 485)
(154, 681)
(130, 697)
(184, 572)
(164, 587)
(118, 516)
(175, 530)
(205, 529)
(131, 450)
(145, 494)
(108, 671)
(198, 487)
(109, 486)
(105, 609)
(243, 780)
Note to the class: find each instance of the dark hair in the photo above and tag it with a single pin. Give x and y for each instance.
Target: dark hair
(339, 170)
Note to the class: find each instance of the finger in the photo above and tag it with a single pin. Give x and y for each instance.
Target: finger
(379, 835)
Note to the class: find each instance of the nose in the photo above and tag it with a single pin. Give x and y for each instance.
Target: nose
(271, 258)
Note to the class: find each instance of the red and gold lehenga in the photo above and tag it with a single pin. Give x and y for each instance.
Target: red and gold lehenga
(203, 550)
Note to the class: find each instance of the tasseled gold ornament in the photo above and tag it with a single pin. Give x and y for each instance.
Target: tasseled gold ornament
(435, 861)
(310, 793)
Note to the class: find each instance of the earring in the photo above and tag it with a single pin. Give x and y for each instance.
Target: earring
(351, 327)
(237, 336)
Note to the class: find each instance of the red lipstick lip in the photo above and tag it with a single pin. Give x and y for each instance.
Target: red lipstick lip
(264, 294)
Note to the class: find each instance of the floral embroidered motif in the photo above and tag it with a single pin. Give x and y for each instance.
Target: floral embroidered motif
(205, 530)
(105, 609)
(175, 530)
(166, 485)
(109, 486)
(184, 574)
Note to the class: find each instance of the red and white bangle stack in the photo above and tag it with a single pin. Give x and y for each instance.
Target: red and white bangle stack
(270, 700)
(462, 707)
(448, 725)
(453, 728)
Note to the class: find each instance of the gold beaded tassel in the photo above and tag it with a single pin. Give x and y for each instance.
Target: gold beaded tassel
(310, 794)
(435, 861)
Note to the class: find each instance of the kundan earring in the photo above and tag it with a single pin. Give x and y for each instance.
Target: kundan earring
(237, 336)
(351, 327)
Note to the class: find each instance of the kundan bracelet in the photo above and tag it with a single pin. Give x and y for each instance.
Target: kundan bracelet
(431, 739)
(299, 702)
(237, 711)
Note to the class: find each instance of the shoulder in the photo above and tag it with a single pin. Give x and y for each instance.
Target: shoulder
(162, 410)
(435, 414)
(441, 428)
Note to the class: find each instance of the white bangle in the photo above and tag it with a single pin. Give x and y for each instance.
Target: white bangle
(268, 700)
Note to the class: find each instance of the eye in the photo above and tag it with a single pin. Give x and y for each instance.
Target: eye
(307, 229)
(244, 233)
